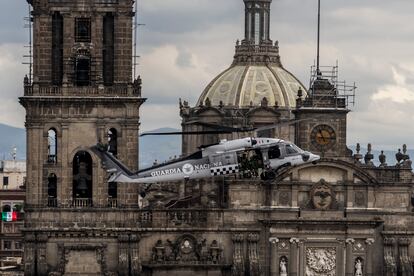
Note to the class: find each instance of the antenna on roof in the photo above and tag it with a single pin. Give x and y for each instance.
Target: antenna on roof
(319, 38)
(13, 153)
(136, 56)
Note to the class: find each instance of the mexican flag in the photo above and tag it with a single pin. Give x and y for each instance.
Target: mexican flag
(9, 216)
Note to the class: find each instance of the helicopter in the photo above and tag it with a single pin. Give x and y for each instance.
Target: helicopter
(228, 157)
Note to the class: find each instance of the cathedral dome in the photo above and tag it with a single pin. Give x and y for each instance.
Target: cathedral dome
(256, 72)
(245, 85)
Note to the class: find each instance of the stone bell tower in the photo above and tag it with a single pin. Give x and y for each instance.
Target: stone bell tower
(82, 93)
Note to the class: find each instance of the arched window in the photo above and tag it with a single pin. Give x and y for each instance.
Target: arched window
(113, 141)
(52, 146)
(82, 179)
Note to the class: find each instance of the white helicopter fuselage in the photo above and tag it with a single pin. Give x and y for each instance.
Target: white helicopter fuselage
(223, 158)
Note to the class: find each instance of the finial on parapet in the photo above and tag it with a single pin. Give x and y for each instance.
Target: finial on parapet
(369, 156)
(383, 159)
(358, 155)
(405, 155)
(406, 158)
(264, 102)
(221, 104)
(137, 86)
(399, 156)
(208, 102)
(299, 98)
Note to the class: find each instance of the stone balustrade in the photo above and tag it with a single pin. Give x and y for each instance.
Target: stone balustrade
(90, 91)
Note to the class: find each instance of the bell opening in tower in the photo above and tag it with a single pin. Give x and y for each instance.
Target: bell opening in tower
(82, 179)
(82, 69)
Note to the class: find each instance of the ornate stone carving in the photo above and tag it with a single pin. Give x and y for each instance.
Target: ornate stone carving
(29, 254)
(136, 266)
(123, 258)
(360, 199)
(186, 249)
(359, 246)
(405, 261)
(283, 265)
(390, 265)
(238, 260)
(64, 252)
(322, 196)
(253, 254)
(358, 267)
(284, 198)
(320, 261)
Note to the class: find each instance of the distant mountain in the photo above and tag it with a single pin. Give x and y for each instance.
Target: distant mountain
(12, 137)
(158, 148)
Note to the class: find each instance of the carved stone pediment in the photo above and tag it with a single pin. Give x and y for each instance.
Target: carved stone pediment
(322, 197)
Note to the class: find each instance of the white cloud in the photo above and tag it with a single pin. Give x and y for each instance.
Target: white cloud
(11, 113)
(155, 116)
(399, 92)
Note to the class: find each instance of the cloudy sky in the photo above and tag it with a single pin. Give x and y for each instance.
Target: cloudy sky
(186, 43)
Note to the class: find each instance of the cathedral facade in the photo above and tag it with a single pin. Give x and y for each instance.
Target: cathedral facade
(343, 216)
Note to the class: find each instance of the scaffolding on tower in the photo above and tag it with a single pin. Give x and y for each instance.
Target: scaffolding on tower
(135, 47)
(28, 58)
(343, 92)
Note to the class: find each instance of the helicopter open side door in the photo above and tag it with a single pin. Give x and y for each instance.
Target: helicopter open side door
(224, 163)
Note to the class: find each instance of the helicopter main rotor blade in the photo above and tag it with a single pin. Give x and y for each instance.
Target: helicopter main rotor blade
(223, 129)
(185, 133)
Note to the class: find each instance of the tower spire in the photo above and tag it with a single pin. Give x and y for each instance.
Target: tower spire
(257, 47)
(257, 21)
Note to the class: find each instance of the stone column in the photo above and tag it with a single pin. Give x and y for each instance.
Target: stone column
(274, 260)
(135, 260)
(253, 254)
(238, 266)
(29, 254)
(293, 262)
(123, 259)
(41, 254)
(369, 263)
(349, 266)
(301, 258)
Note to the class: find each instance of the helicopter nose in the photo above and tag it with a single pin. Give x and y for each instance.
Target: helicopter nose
(314, 158)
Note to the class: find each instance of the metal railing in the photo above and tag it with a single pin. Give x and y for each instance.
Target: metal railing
(82, 202)
(52, 202)
(112, 202)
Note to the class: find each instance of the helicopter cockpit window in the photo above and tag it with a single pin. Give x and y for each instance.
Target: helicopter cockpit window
(291, 150)
(274, 152)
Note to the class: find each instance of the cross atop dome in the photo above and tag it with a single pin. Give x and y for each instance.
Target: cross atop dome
(257, 47)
